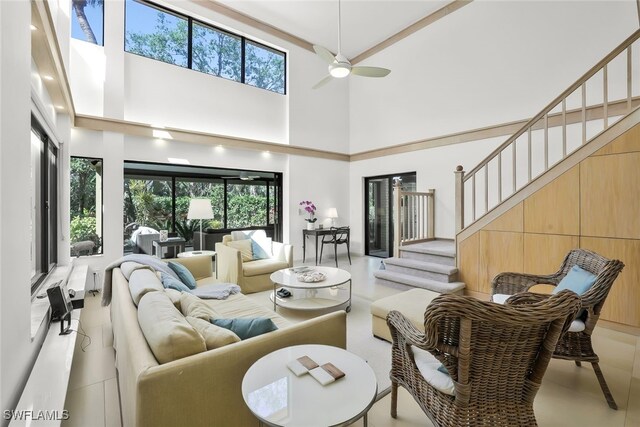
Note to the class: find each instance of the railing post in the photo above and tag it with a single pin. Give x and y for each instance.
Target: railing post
(459, 198)
(431, 214)
(397, 187)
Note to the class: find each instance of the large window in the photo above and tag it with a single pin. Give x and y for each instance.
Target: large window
(86, 206)
(87, 19)
(156, 197)
(159, 33)
(43, 203)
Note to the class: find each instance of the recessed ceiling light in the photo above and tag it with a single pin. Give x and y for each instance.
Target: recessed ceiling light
(219, 148)
(266, 154)
(162, 134)
(33, 27)
(59, 107)
(47, 77)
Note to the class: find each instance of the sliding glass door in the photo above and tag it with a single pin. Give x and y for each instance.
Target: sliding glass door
(378, 211)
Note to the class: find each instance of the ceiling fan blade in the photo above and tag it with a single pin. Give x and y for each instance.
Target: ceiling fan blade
(322, 82)
(370, 71)
(324, 53)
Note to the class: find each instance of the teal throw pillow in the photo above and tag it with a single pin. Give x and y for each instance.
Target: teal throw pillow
(577, 280)
(184, 274)
(442, 369)
(258, 252)
(247, 328)
(170, 282)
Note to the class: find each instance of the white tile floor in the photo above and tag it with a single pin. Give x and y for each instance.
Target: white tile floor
(569, 396)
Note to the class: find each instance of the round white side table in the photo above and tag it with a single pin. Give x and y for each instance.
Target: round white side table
(278, 398)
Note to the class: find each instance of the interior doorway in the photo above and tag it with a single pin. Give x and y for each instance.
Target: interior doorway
(378, 211)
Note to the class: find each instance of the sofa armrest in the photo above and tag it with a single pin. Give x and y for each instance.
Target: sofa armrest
(207, 386)
(229, 263)
(283, 252)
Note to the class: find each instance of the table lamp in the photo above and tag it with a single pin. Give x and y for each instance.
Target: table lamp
(200, 209)
(333, 214)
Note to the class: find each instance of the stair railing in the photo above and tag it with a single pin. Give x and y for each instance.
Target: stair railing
(413, 220)
(507, 159)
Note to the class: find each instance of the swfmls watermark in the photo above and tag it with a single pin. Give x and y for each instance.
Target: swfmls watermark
(31, 415)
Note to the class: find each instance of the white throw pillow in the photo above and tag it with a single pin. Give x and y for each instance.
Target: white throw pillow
(428, 366)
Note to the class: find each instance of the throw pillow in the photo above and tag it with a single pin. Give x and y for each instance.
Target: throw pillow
(244, 246)
(577, 280)
(191, 305)
(247, 328)
(259, 249)
(214, 336)
(184, 274)
(141, 282)
(174, 296)
(172, 283)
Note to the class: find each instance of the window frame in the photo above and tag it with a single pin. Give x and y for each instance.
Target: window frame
(47, 206)
(101, 205)
(190, 20)
(71, 24)
(276, 181)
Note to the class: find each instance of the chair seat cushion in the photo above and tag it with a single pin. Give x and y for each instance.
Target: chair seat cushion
(429, 366)
(262, 266)
(500, 298)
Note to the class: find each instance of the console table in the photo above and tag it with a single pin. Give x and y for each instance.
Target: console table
(315, 233)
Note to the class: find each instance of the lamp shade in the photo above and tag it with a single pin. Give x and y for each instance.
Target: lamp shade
(200, 209)
(332, 213)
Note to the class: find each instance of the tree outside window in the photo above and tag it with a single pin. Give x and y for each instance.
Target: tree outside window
(86, 206)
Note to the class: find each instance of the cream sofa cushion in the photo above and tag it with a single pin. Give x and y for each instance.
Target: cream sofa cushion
(174, 296)
(262, 266)
(191, 305)
(142, 281)
(214, 336)
(244, 246)
(167, 332)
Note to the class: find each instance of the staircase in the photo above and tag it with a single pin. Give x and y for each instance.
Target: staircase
(428, 265)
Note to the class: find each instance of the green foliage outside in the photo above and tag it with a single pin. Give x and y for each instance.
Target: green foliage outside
(148, 202)
(83, 191)
(213, 52)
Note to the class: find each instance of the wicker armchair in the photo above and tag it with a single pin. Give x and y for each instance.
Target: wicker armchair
(496, 356)
(576, 345)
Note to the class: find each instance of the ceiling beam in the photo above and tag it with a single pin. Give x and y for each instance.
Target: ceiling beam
(416, 26)
(229, 12)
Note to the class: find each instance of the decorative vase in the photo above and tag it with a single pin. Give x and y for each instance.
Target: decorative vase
(311, 225)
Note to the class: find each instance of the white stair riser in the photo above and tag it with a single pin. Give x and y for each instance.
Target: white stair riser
(445, 260)
(395, 282)
(425, 274)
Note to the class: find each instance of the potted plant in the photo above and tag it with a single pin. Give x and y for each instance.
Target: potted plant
(311, 210)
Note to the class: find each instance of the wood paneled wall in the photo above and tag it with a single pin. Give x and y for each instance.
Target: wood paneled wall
(595, 205)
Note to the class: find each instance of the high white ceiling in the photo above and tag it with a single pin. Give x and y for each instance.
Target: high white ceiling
(365, 23)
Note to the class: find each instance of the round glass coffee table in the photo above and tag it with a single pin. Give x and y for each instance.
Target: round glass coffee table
(333, 291)
(278, 398)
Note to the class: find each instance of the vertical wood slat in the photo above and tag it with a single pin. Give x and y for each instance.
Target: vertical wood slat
(529, 155)
(546, 142)
(431, 225)
(564, 128)
(605, 96)
(584, 113)
(500, 178)
(473, 197)
(629, 78)
(486, 188)
(513, 166)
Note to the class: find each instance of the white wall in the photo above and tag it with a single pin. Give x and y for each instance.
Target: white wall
(488, 63)
(17, 349)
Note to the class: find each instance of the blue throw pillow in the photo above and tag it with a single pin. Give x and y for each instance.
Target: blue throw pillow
(442, 369)
(246, 328)
(577, 280)
(184, 274)
(173, 283)
(258, 252)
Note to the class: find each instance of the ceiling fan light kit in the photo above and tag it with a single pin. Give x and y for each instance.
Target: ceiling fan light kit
(339, 65)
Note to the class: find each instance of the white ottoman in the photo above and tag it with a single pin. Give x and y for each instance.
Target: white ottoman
(411, 303)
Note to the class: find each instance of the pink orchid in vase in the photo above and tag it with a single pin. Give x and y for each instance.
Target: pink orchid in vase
(311, 209)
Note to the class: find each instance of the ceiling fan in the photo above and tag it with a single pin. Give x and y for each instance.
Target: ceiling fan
(244, 176)
(339, 65)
